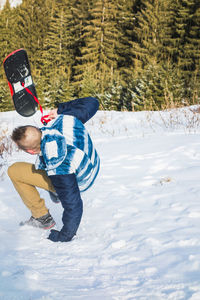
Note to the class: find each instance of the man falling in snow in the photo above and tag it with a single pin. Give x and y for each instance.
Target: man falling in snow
(67, 164)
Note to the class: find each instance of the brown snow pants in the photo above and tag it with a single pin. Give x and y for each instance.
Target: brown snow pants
(25, 179)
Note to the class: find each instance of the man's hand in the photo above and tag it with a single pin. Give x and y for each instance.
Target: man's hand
(57, 236)
(54, 235)
(52, 114)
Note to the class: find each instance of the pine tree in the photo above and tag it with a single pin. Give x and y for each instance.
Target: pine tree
(77, 23)
(6, 46)
(101, 53)
(158, 88)
(154, 31)
(141, 53)
(6, 102)
(155, 49)
(188, 45)
(31, 29)
(56, 57)
(193, 49)
(6, 27)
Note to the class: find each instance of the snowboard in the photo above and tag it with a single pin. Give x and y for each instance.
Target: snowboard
(18, 73)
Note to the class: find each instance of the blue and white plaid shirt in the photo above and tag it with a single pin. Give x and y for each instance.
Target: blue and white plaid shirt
(66, 148)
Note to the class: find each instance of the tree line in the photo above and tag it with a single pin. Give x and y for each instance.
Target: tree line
(130, 54)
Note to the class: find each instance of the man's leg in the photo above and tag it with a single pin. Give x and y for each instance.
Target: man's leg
(25, 179)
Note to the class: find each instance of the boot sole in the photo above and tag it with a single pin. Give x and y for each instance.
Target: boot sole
(45, 228)
(48, 226)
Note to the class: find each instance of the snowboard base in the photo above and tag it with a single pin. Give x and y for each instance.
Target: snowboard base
(18, 73)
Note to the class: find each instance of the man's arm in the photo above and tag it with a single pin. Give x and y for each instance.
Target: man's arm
(83, 108)
(68, 192)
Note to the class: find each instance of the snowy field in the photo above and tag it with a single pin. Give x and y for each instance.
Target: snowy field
(140, 233)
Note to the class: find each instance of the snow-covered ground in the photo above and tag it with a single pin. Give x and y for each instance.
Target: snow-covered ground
(140, 233)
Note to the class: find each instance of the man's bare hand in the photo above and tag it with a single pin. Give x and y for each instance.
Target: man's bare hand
(53, 114)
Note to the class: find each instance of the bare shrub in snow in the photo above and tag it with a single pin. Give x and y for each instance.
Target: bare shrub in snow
(6, 149)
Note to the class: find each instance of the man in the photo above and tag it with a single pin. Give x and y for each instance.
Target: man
(67, 164)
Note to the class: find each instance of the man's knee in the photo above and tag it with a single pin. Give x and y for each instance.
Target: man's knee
(13, 170)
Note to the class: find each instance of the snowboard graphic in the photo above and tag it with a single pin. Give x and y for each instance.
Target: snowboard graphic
(18, 73)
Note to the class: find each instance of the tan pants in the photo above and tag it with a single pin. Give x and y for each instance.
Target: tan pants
(25, 179)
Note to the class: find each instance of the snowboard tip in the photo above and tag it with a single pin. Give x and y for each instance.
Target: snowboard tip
(13, 52)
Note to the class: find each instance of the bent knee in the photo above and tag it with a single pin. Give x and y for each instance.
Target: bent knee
(12, 170)
(15, 170)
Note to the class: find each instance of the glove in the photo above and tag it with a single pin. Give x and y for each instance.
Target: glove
(57, 236)
(54, 235)
(54, 197)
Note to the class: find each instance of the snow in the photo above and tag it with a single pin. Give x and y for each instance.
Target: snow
(13, 3)
(139, 236)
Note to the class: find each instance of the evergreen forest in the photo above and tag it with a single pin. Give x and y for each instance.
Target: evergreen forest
(131, 54)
